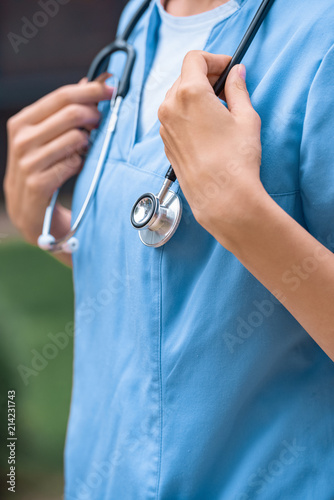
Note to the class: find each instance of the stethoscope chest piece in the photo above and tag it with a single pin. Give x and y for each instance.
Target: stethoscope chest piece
(157, 217)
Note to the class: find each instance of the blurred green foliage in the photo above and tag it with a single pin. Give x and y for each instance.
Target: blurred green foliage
(36, 300)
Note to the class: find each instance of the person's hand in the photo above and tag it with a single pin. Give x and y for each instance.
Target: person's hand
(45, 145)
(215, 151)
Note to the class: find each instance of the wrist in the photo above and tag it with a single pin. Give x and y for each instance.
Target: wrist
(244, 218)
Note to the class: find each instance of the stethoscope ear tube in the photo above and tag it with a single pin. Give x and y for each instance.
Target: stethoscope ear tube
(244, 44)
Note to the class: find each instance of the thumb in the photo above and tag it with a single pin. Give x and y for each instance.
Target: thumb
(199, 66)
(236, 93)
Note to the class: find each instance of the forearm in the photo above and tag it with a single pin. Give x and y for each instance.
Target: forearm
(291, 264)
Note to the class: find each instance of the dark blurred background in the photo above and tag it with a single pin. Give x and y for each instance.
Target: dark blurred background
(36, 298)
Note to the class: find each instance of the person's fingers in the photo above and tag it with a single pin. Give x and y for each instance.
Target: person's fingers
(88, 93)
(70, 117)
(103, 77)
(237, 96)
(199, 67)
(53, 178)
(60, 149)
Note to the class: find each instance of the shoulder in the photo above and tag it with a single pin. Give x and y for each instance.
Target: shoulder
(129, 10)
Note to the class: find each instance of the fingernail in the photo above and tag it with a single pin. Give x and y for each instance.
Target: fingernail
(242, 71)
(110, 89)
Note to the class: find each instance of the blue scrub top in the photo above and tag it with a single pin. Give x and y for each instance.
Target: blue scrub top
(191, 380)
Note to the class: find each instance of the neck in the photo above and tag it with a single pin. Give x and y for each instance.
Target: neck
(182, 8)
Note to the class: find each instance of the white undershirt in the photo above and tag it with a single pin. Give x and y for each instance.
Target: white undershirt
(177, 36)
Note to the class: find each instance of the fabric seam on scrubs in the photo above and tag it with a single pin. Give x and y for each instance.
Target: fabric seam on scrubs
(72, 386)
(289, 193)
(143, 76)
(111, 161)
(176, 185)
(311, 87)
(160, 374)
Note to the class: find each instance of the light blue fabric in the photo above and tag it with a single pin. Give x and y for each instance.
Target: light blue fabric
(191, 381)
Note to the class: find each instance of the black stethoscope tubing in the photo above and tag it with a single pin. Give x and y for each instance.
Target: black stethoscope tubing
(100, 62)
(244, 44)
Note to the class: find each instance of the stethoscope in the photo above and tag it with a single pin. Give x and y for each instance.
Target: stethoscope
(155, 216)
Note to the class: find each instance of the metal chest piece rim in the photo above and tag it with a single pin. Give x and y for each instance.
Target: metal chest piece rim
(156, 218)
